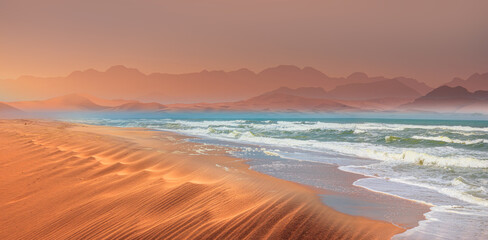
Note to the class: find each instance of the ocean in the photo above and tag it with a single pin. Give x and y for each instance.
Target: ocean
(439, 162)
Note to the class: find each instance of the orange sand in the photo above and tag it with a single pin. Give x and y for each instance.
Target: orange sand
(61, 180)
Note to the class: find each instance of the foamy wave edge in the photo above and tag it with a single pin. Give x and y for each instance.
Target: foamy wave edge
(426, 159)
(449, 140)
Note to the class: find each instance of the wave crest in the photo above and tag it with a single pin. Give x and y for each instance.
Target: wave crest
(426, 159)
(449, 140)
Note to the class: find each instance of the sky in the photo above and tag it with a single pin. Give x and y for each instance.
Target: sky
(430, 40)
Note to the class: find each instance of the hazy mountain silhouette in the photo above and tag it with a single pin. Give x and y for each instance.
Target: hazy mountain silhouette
(309, 99)
(107, 102)
(451, 99)
(286, 102)
(119, 82)
(139, 107)
(474, 83)
(307, 92)
(392, 88)
(398, 88)
(270, 102)
(6, 108)
(378, 103)
(71, 102)
(83, 102)
(282, 100)
(7, 111)
(419, 87)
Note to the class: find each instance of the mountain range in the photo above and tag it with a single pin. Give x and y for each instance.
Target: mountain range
(474, 83)
(120, 82)
(310, 99)
(282, 88)
(451, 99)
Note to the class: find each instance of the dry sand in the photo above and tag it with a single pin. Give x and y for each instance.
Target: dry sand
(60, 180)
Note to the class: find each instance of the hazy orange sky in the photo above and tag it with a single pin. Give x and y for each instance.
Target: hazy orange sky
(431, 40)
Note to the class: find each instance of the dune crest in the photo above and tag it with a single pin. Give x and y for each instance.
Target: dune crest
(78, 181)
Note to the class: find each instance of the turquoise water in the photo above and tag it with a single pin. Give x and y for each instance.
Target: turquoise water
(443, 162)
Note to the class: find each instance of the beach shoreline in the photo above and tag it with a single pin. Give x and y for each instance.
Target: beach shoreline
(65, 180)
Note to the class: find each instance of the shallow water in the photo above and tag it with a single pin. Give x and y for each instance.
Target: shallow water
(440, 162)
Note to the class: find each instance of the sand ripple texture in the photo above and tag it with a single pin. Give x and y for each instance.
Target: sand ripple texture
(71, 181)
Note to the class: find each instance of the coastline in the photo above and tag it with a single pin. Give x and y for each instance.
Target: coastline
(66, 180)
(337, 189)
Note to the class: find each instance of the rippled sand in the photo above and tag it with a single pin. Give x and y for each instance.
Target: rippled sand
(60, 180)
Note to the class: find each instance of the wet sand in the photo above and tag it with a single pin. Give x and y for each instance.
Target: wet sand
(61, 180)
(337, 190)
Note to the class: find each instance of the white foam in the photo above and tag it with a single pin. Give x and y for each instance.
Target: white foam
(307, 125)
(363, 150)
(449, 222)
(423, 159)
(362, 127)
(455, 193)
(449, 140)
(271, 153)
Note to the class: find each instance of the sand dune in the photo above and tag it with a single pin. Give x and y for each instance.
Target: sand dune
(62, 180)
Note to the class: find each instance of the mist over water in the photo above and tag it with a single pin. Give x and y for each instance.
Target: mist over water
(444, 163)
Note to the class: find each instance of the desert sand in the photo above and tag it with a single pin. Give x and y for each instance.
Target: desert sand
(61, 180)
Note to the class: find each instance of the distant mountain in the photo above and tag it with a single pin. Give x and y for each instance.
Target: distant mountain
(451, 99)
(391, 88)
(271, 101)
(286, 102)
(119, 82)
(482, 95)
(419, 87)
(71, 102)
(83, 102)
(5, 108)
(139, 107)
(446, 92)
(358, 77)
(154, 97)
(106, 102)
(307, 92)
(474, 83)
(398, 88)
(379, 103)
(294, 77)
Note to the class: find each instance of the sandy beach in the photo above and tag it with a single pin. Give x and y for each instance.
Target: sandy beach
(62, 180)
